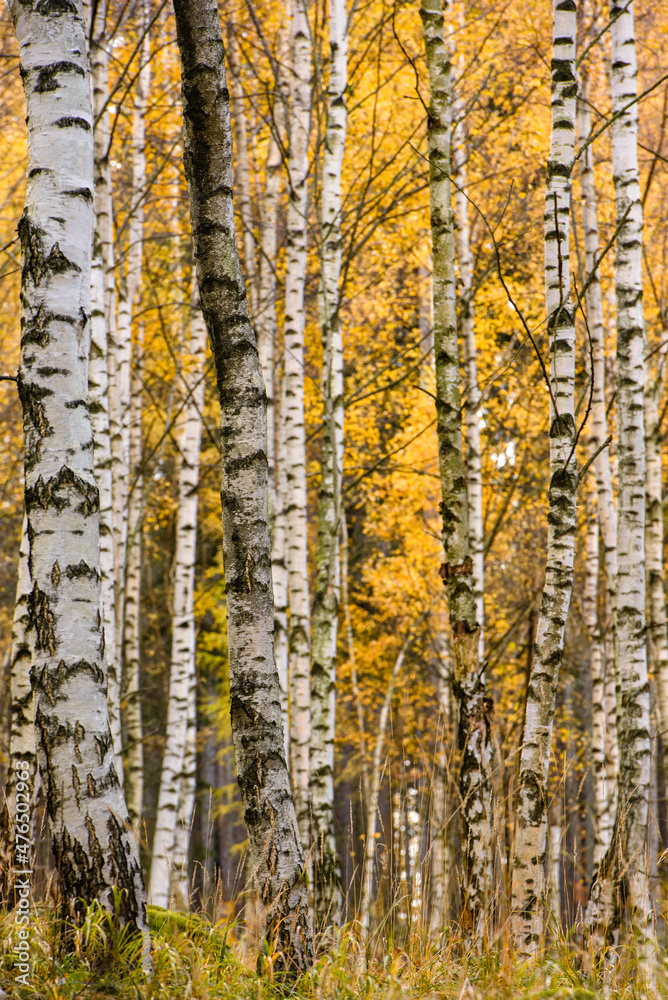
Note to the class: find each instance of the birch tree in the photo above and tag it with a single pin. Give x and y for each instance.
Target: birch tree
(266, 326)
(467, 326)
(604, 744)
(94, 848)
(528, 888)
(117, 370)
(293, 440)
(328, 582)
(262, 771)
(177, 775)
(130, 302)
(22, 730)
(102, 332)
(457, 571)
(657, 631)
(633, 722)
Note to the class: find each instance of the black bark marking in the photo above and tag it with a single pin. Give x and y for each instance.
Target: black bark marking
(42, 619)
(46, 75)
(82, 571)
(79, 735)
(70, 122)
(76, 785)
(125, 874)
(51, 680)
(54, 8)
(54, 493)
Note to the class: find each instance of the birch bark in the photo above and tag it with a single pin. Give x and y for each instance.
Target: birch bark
(376, 779)
(597, 673)
(328, 897)
(102, 314)
(440, 840)
(266, 327)
(657, 634)
(132, 720)
(104, 212)
(93, 844)
(469, 683)
(292, 414)
(633, 723)
(263, 776)
(177, 776)
(241, 172)
(467, 325)
(604, 746)
(22, 749)
(528, 888)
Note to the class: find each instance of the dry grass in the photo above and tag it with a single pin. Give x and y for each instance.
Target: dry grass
(196, 958)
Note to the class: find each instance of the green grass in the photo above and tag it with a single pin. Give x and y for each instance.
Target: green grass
(195, 959)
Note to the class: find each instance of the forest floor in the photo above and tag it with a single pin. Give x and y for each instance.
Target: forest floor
(194, 959)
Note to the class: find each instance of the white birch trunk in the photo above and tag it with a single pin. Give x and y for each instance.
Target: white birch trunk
(93, 845)
(328, 896)
(16, 851)
(181, 886)
(604, 744)
(177, 776)
(467, 327)
(266, 326)
(440, 840)
(98, 403)
(104, 213)
(457, 572)
(528, 888)
(372, 804)
(633, 722)
(132, 720)
(102, 314)
(292, 414)
(657, 634)
(601, 818)
(414, 852)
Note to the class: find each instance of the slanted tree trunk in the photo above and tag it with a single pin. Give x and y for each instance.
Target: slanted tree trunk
(94, 847)
(131, 301)
(177, 772)
(293, 439)
(528, 889)
(469, 682)
(633, 722)
(328, 897)
(263, 776)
